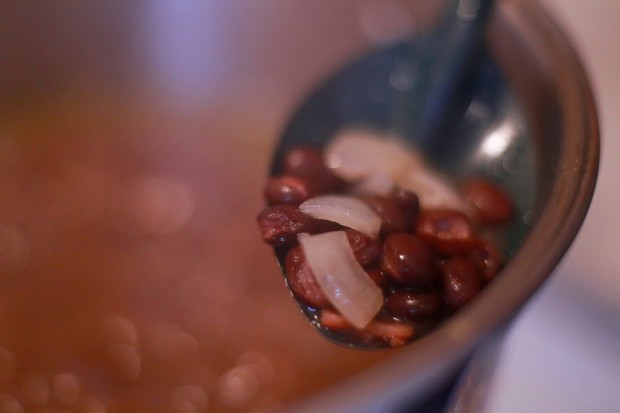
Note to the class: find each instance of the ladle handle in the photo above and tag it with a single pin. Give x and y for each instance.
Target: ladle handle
(444, 60)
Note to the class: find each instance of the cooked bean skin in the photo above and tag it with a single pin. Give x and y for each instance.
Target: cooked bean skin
(287, 190)
(323, 225)
(491, 204)
(408, 261)
(364, 248)
(280, 224)
(307, 163)
(447, 232)
(302, 161)
(412, 306)
(487, 258)
(301, 280)
(461, 281)
(378, 276)
(409, 204)
(392, 217)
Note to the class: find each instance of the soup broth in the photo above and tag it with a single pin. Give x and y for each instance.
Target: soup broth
(133, 278)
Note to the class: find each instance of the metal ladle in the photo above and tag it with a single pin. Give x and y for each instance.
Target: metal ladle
(443, 94)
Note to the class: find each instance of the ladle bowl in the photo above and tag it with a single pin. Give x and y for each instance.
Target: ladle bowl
(531, 125)
(444, 95)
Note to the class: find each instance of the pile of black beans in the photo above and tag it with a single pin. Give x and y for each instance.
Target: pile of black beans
(429, 263)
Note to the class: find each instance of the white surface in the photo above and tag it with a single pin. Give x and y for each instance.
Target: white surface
(563, 352)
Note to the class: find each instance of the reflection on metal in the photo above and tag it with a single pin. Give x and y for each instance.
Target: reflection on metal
(498, 140)
(403, 78)
(467, 9)
(478, 111)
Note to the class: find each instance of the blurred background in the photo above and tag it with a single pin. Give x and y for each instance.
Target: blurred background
(134, 140)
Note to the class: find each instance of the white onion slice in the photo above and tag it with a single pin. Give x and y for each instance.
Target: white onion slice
(356, 153)
(345, 210)
(378, 184)
(345, 283)
(433, 190)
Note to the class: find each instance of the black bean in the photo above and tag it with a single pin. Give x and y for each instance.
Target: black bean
(280, 224)
(378, 276)
(412, 305)
(287, 190)
(302, 281)
(491, 204)
(447, 232)
(408, 261)
(307, 163)
(461, 281)
(392, 218)
(409, 204)
(487, 258)
(364, 248)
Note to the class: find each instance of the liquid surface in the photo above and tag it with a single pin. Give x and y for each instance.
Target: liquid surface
(132, 278)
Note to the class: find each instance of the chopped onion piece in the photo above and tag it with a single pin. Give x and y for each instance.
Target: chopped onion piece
(379, 184)
(333, 321)
(357, 153)
(345, 210)
(433, 190)
(345, 283)
(395, 333)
